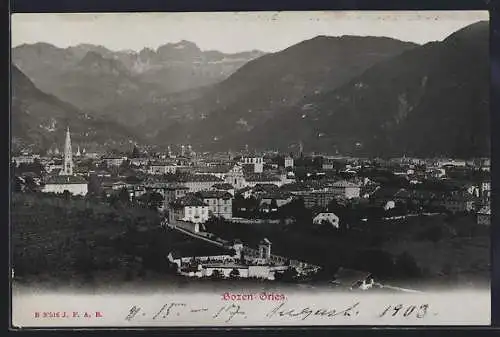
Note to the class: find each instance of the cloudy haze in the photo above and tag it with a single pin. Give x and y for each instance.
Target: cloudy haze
(231, 32)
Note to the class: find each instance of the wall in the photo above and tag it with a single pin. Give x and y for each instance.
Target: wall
(193, 227)
(260, 272)
(207, 271)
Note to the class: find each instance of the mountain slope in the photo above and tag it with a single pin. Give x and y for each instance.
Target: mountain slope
(432, 100)
(40, 119)
(253, 93)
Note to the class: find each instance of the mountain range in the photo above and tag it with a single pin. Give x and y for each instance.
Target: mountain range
(39, 120)
(256, 91)
(110, 82)
(355, 95)
(427, 100)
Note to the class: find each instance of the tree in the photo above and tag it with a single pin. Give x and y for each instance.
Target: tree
(406, 266)
(433, 233)
(66, 195)
(378, 262)
(152, 200)
(123, 196)
(94, 186)
(235, 273)
(216, 274)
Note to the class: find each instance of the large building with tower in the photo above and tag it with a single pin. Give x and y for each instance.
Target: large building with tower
(66, 180)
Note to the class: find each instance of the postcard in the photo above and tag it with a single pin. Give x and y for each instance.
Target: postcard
(250, 169)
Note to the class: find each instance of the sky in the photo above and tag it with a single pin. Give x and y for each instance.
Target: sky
(232, 32)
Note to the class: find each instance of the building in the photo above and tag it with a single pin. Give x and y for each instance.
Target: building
(265, 249)
(159, 168)
(328, 164)
(288, 162)
(327, 217)
(66, 181)
(224, 187)
(113, 160)
(18, 160)
(174, 191)
(262, 178)
(485, 190)
(200, 182)
(139, 162)
(236, 177)
(256, 162)
(316, 198)
(484, 216)
(220, 171)
(280, 198)
(220, 203)
(59, 184)
(459, 203)
(346, 189)
(169, 191)
(188, 209)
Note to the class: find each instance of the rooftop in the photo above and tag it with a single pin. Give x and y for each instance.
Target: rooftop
(223, 186)
(214, 195)
(200, 178)
(188, 200)
(213, 169)
(261, 177)
(344, 184)
(61, 180)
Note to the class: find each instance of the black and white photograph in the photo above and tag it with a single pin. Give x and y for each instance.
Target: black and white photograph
(255, 157)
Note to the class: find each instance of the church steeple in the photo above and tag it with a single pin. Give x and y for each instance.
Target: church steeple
(68, 156)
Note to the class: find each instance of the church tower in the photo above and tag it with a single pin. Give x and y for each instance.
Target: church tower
(68, 156)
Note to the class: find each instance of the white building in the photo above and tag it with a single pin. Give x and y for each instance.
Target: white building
(24, 160)
(66, 181)
(486, 189)
(327, 217)
(114, 160)
(73, 184)
(265, 249)
(288, 162)
(346, 189)
(162, 168)
(188, 209)
(484, 216)
(220, 203)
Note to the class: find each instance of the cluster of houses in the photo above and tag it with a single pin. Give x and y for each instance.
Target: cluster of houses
(195, 187)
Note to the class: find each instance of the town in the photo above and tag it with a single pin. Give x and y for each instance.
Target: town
(256, 211)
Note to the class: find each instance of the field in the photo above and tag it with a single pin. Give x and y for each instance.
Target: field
(78, 241)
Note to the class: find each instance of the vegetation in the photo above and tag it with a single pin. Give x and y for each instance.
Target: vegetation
(76, 236)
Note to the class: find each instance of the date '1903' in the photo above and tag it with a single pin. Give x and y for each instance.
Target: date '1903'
(400, 310)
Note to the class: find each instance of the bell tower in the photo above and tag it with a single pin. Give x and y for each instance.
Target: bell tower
(68, 156)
